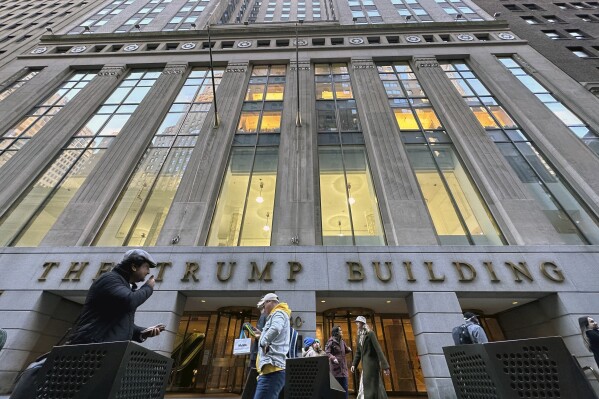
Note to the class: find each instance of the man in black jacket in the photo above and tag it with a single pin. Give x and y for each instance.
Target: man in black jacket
(109, 310)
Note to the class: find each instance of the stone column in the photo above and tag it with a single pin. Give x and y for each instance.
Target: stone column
(295, 205)
(28, 318)
(188, 220)
(81, 220)
(164, 307)
(433, 316)
(405, 217)
(30, 94)
(23, 168)
(515, 210)
(303, 311)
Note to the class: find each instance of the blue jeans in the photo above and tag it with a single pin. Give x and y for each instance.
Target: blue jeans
(343, 382)
(270, 385)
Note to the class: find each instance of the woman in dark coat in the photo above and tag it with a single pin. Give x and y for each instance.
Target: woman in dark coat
(590, 335)
(373, 360)
(336, 349)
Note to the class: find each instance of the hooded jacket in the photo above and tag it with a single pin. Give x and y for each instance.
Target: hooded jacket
(275, 336)
(109, 310)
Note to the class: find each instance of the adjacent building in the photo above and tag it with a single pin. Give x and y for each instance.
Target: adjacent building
(566, 33)
(402, 160)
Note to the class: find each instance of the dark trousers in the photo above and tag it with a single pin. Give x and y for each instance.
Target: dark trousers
(270, 385)
(343, 382)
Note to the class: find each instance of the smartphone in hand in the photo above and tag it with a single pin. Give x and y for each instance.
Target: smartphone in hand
(161, 327)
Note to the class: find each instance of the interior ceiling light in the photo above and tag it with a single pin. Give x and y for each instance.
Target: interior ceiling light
(266, 226)
(323, 301)
(351, 199)
(260, 199)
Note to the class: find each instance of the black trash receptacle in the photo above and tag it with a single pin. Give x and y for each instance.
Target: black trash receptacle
(526, 368)
(114, 370)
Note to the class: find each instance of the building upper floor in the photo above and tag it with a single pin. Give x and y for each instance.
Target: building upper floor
(404, 140)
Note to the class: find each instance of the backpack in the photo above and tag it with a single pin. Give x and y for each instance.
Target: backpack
(461, 335)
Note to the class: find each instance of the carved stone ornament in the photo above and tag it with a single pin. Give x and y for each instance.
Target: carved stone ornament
(465, 37)
(39, 50)
(115, 71)
(188, 46)
(426, 62)
(356, 40)
(506, 36)
(244, 44)
(174, 69)
(362, 64)
(301, 42)
(78, 49)
(413, 39)
(131, 47)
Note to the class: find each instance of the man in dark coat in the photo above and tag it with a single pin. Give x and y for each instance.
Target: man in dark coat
(109, 310)
(336, 349)
(373, 360)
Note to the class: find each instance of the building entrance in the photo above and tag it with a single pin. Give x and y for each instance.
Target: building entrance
(203, 351)
(394, 333)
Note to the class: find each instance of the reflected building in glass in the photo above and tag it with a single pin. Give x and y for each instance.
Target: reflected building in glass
(406, 161)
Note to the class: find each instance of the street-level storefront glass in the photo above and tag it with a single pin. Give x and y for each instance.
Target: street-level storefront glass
(203, 351)
(396, 337)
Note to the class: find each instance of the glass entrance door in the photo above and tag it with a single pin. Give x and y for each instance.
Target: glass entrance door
(203, 351)
(394, 333)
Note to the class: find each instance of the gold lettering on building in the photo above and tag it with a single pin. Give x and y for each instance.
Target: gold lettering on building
(408, 266)
(74, 272)
(219, 271)
(431, 273)
(105, 267)
(47, 266)
(294, 268)
(379, 275)
(470, 272)
(191, 268)
(161, 269)
(521, 269)
(491, 270)
(554, 273)
(356, 271)
(263, 274)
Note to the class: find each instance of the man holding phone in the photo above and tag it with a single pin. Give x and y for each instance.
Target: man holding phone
(109, 310)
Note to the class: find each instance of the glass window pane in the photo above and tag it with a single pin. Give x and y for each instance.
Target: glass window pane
(324, 91)
(483, 117)
(349, 119)
(274, 92)
(405, 119)
(503, 117)
(248, 123)
(271, 122)
(343, 90)
(564, 114)
(336, 226)
(255, 93)
(226, 224)
(368, 229)
(257, 221)
(428, 118)
(114, 125)
(437, 199)
(60, 198)
(326, 120)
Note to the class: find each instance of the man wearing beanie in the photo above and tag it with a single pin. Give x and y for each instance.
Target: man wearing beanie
(109, 310)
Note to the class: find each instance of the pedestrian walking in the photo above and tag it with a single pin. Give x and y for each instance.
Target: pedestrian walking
(273, 347)
(590, 335)
(336, 349)
(471, 332)
(373, 359)
(109, 310)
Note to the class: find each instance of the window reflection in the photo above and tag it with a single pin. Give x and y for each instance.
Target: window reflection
(34, 214)
(568, 214)
(349, 208)
(138, 216)
(41, 114)
(458, 213)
